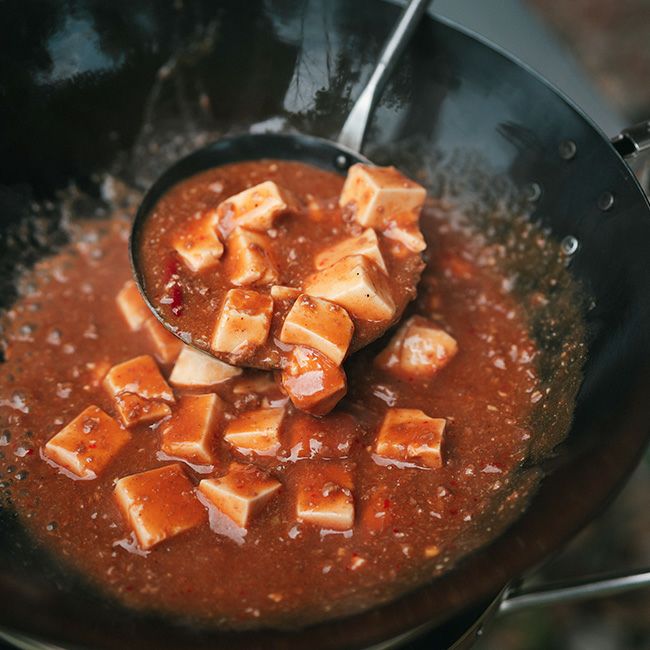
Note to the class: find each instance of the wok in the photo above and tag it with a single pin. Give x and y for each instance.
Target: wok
(79, 79)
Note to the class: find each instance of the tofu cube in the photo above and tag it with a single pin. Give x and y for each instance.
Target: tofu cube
(318, 324)
(189, 433)
(409, 235)
(167, 345)
(250, 259)
(198, 244)
(366, 244)
(244, 322)
(332, 436)
(256, 431)
(280, 292)
(357, 284)
(132, 306)
(411, 436)
(256, 208)
(88, 444)
(140, 392)
(381, 194)
(313, 383)
(324, 495)
(158, 504)
(197, 369)
(419, 349)
(242, 493)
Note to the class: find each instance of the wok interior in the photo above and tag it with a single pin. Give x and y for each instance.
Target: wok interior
(457, 116)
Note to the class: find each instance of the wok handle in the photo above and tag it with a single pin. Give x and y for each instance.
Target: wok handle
(354, 129)
(597, 586)
(633, 141)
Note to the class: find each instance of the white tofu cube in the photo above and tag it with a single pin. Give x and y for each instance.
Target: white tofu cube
(242, 493)
(132, 306)
(88, 444)
(167, 345)
(244, 322)
(158, 504)
(256, 208)
(411, 436)
(357, 284)
(381, 194)
(280, 292)
(332, 436)
(324, 495)
(197, 369)
(318, 324)
(366, 244)
(198, 244)
(418, 349)
(256, 431)
(410, 236)
(189, 433)
(140, 392)
(314, 384)
(250, 259)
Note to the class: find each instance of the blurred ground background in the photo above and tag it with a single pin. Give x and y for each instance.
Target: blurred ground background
(611, 39)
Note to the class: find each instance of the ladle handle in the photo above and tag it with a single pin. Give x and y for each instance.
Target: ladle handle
(354, 129)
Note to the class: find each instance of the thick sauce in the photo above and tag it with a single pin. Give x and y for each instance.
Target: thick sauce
(409, 524)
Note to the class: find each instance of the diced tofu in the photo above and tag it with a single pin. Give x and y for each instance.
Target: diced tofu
(199, 245)
(409, 435)
(279, 292)
(190, 431)
(365, 244)
(132, 306)
(318, 324)
(258, 384)
(314, 384)
(331, 436)
(418, 349)
(167, 345)
(242, 493)
(197, 369)
(250, 259)
(357, 284)
(408, 235)
(256, 431)
(381, 194)
(324, 495)
(158, 504)
(256, 208)
(87, 444)
(244, 322)
(140, 392)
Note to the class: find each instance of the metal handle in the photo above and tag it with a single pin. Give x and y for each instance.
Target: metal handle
(632, 141)
(354, 129)
(598, 586)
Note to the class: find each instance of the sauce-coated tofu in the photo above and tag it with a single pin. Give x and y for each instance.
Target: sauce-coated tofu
(158, 504)
(140, 392)
(280, 292)
(318, 324)
(244, 322)
(195, 368)
(324, 495)
(409, 235)
(357, 284)
(380, 195)
(418, 349)
(242, 493)
(331, 436)
(132, 306)
(256, 431)
(314, 384)
(167, 345)
(411, 436)
(249, 259)
(199, 245)
(255, 208)
(87, 445)
(365, 244)
(189, 433)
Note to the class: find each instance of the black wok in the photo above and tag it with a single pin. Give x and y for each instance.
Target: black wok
(71, 104)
